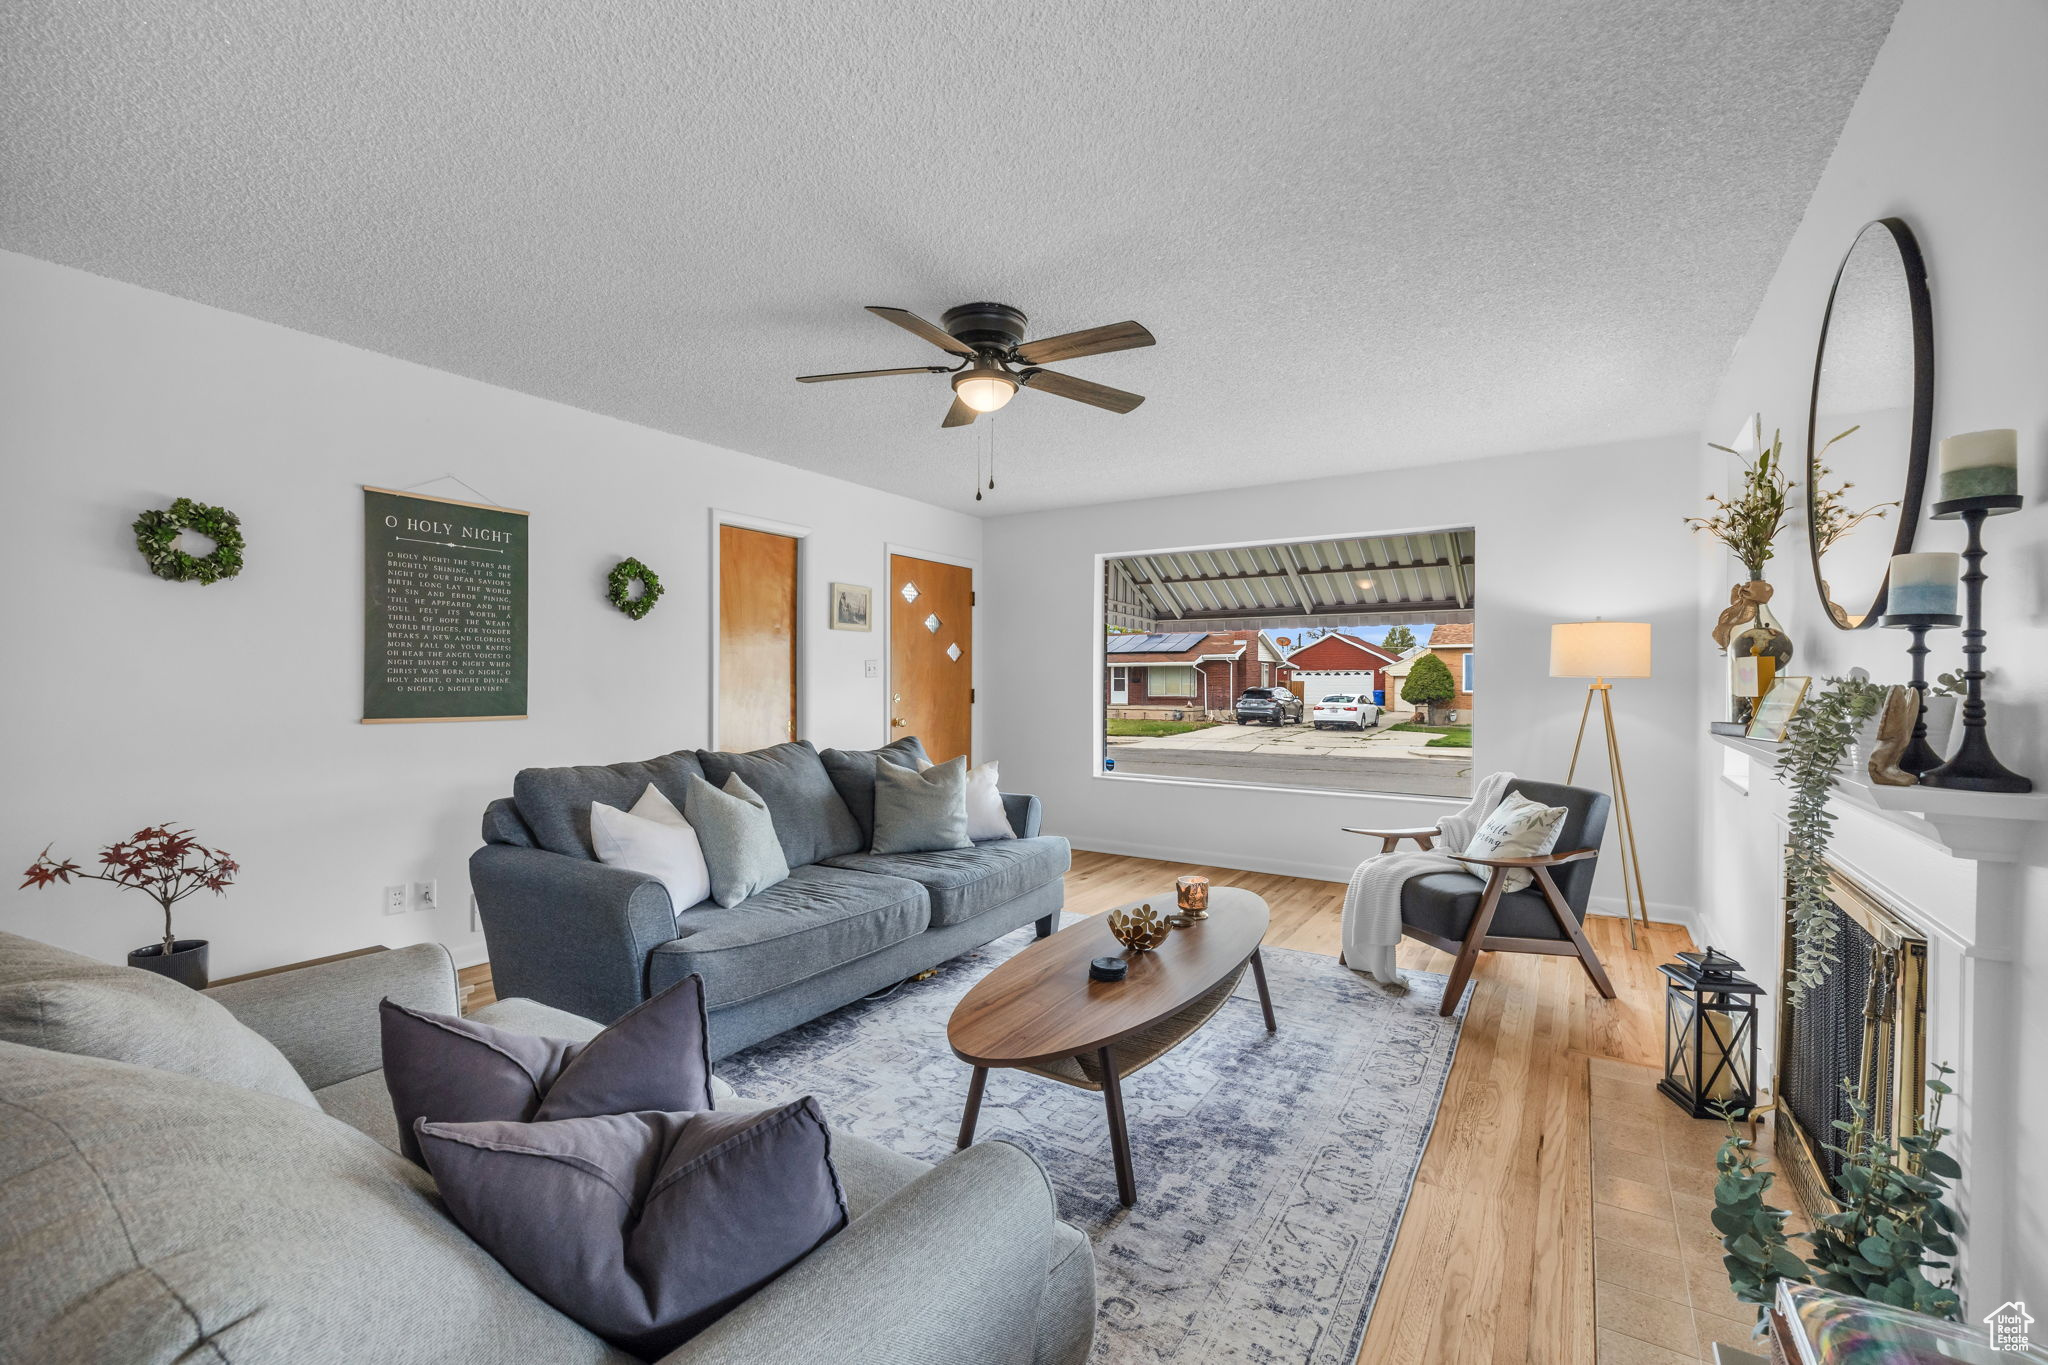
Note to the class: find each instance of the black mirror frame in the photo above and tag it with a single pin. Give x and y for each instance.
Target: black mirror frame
(1914, 493)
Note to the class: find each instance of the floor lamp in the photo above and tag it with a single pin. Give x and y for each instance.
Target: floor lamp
(1603, 650)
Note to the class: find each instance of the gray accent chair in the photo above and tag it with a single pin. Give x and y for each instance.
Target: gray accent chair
(595, 940)
(160, 1216)
(1465, 915)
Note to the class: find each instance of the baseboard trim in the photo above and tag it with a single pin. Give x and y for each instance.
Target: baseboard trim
(470, 954)
(1681, 915)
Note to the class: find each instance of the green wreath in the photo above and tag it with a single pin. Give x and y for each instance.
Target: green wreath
(622, 578)
(156, 535)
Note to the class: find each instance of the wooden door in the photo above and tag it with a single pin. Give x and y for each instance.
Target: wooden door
(756, 639)
(931, 655)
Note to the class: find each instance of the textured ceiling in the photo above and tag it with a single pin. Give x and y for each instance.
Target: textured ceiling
(1366, 234)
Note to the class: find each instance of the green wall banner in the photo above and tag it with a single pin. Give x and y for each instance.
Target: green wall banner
(444, 609)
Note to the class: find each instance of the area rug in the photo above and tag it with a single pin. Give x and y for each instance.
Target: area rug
(1272, 1168)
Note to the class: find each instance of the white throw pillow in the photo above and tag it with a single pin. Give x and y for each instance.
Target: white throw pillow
(986, 818)
(653, 838)
(1518, 828)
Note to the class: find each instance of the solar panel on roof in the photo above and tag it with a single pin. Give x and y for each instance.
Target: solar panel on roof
(1155, 644)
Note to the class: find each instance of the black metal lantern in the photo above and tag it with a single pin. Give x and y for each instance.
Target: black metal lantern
(1710, 1039)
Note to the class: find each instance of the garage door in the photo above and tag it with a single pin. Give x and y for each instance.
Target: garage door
(1320, 685)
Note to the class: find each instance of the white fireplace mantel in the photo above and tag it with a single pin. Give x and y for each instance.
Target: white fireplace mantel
(1955, 865)
(1982, 826)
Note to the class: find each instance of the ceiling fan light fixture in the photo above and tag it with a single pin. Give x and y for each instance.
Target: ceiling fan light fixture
(984, 387)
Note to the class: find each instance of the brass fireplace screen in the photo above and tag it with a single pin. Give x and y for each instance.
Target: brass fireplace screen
(1866, 1024)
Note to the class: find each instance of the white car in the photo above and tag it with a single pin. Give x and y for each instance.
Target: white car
(1344, 708)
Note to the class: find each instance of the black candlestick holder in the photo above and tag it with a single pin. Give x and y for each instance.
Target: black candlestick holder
(1974, 768)
(1919, 756)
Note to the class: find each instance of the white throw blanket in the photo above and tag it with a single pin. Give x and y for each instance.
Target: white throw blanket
(1372, 905)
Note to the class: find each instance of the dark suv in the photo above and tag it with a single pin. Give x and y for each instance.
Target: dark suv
(1273, 705)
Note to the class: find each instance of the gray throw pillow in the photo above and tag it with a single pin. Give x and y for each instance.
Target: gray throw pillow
(53, 999)
(811, 820)
(646, 1228)
(449, 1070)
(853, 773)
(738, 837)
(921, 812)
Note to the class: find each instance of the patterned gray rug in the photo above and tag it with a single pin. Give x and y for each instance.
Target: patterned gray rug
(1272, 1168)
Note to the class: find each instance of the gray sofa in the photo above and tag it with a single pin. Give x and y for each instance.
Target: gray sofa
(596, 940)
(154, 1207)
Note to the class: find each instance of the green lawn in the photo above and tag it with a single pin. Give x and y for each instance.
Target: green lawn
(1457, 737)
(1147, 729)
(1411, 727)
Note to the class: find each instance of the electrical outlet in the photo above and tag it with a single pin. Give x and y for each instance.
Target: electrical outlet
(394, 900)
(475, 924)
(872, 668)
(426, 895)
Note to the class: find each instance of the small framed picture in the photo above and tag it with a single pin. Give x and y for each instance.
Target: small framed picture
(850, 604)
(1775, 709)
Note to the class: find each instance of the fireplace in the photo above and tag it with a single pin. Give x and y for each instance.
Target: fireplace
(1867, 1024)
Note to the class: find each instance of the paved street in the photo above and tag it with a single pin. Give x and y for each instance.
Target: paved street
(1298, 756)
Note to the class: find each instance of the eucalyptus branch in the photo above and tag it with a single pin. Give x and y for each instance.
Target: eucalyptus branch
(1819, 733)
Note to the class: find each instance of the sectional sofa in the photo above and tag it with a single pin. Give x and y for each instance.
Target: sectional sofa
(572, 932)
(188, 1177)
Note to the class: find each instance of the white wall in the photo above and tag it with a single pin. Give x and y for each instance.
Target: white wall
(234, 708)
(1561, 536)
(1951, 134)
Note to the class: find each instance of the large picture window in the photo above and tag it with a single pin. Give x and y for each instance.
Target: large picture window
(1335, 664)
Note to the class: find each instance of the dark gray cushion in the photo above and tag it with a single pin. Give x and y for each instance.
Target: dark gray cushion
(555, 802)
(965, 882)
(646, 1228)
(449, 1070)
(50, 998)
(502, 825)
(853, 773)
(153, 1217)
(921, 812)
(810, 818)
(1445, 902)
(819, 919)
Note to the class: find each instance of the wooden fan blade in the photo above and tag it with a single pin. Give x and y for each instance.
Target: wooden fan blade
(911, 322)
(1118, 336)
(869, 374)
(1081, 390)
(959, 415)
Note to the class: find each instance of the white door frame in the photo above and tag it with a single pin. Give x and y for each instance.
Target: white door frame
(722, 517)
(890, 549)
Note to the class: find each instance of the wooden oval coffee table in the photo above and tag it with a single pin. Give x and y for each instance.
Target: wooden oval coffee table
(1041, 1012)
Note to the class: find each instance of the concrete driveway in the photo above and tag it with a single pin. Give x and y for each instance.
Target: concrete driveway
(1301, 756)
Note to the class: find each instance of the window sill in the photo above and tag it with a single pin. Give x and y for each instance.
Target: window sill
(1408, 798)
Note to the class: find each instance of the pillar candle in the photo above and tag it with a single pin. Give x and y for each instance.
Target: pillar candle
(1980, 464)
(1923, 584)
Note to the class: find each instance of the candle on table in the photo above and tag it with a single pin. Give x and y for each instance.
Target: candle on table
(1980, 464)
(1923, 584)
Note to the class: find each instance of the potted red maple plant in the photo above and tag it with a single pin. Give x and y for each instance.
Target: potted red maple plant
(167, 865)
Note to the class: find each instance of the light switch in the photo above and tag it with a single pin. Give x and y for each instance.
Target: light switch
(426, 895)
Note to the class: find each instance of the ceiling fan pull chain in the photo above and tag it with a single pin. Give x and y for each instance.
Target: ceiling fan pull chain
(991, 454)
(977, 469)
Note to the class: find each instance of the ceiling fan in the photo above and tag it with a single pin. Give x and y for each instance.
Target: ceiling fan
(995, 360)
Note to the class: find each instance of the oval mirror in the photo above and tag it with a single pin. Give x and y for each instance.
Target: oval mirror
(1868, 423)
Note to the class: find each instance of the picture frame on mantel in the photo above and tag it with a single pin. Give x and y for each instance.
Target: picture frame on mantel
(852, 607)
(1775, 709)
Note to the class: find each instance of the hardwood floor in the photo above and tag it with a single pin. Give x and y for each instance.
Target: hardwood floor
(1494, 1261)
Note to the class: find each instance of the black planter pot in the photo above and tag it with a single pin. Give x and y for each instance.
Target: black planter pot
(186, 964)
